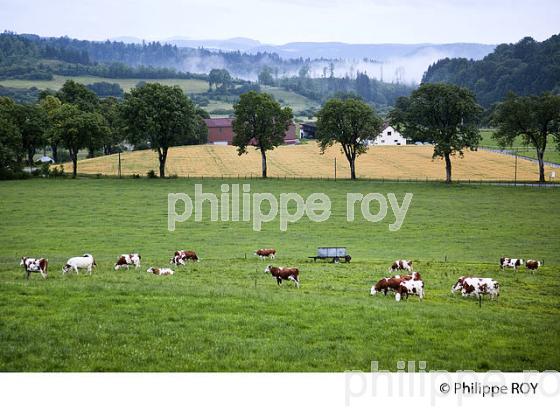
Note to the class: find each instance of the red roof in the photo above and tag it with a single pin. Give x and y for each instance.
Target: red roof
(218, 122)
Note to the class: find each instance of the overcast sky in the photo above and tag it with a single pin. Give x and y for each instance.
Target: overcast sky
(282, 21)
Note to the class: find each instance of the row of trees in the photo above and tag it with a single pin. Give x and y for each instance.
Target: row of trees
(75, 119)
(443, 114)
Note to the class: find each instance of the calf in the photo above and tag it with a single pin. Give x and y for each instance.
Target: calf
(160, 271)
(35, 265)
(125, 260)
(410, 287)
(282, 273)
(266, 253)
(401, 264)
(392, 284)
(80, 262)
(181, 257)
(533, 264)
(477, 287)
(510, 263)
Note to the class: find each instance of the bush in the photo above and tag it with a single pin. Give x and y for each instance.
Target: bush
(151, 174)
(58, 172)
(135, 176)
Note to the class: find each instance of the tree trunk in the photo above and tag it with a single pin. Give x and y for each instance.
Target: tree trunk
(352, 168)
(540, 157)
(264, 168)
(54, 149)
(162, 154)
(447, 168)
(30, 154)
(74, 156)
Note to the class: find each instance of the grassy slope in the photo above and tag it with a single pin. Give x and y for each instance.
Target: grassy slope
(551, 154)
(225, 314)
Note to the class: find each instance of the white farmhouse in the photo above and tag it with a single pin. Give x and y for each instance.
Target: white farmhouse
(389, 136)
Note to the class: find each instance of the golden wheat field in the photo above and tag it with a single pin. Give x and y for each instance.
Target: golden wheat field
(305, 160)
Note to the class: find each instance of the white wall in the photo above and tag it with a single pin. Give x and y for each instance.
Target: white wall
(389, 136)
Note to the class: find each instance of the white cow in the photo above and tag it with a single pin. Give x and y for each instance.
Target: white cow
(410, 287)
(80, 262)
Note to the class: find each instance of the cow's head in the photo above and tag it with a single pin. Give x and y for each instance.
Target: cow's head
(373, 290)
(150, 270)
(23, 259)
(268, 268)
(459, 285)
(66, 268)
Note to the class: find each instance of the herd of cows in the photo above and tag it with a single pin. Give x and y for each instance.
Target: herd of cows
(402, 286)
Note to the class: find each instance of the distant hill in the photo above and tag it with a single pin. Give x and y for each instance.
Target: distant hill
(526, 67)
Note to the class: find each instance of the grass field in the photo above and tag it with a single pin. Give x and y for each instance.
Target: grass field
(225, 314)
(190, 86)
(552, 154)
(304, 160)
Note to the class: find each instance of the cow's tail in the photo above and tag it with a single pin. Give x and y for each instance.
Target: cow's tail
(46, 266)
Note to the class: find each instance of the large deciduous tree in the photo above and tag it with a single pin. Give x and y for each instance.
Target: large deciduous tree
(534, 118)
(77, 129)
(32, 122)
(443, 114)
(50, 104)
(259, 121)
(160, 114)
(10, 140)
(349, 122)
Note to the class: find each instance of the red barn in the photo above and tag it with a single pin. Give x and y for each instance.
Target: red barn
(220, 131)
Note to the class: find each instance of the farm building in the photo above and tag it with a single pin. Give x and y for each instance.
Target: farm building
(389, 136)
(220, 132)
(307, 130)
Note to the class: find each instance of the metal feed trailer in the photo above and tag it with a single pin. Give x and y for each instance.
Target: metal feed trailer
(337, 254)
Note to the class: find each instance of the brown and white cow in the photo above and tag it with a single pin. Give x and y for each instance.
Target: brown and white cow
(125, 260)
(281, 273)
(266, 253)
(401, 264)
(511, 263)
(410, 287)
(532, 264)
(160, 271)
(40, 265)
(393, 283)
(477, 287)
(182, 256)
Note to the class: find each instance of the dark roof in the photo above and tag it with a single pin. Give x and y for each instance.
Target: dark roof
(218, 122)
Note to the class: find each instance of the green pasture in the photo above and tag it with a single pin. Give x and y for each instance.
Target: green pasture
(226, 314)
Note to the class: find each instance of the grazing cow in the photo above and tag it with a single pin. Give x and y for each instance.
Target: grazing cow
(181, 257)
(266, 253)
(125, 260)
(410, 287)
(79, 262)
(35, 265)
(533, 264)
(282, 273)
(160, 271)
(510, 263)
(401, 264)
(477, 287)
(393, 283)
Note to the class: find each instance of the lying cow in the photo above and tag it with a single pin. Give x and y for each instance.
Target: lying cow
(282, 273)
(266, 253)
(126, 260)
(181, 257)
(161, 271)
(410, 287)
(510, 263)
(79, 262)
(401, 264)
(393, 283)
(477, 287)
(35, 265)
(533, 264)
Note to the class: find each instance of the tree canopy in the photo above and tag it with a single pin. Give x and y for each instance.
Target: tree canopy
(259, 121)
(349, 122)
(160, 115)
(534, 118)
(443, 114)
